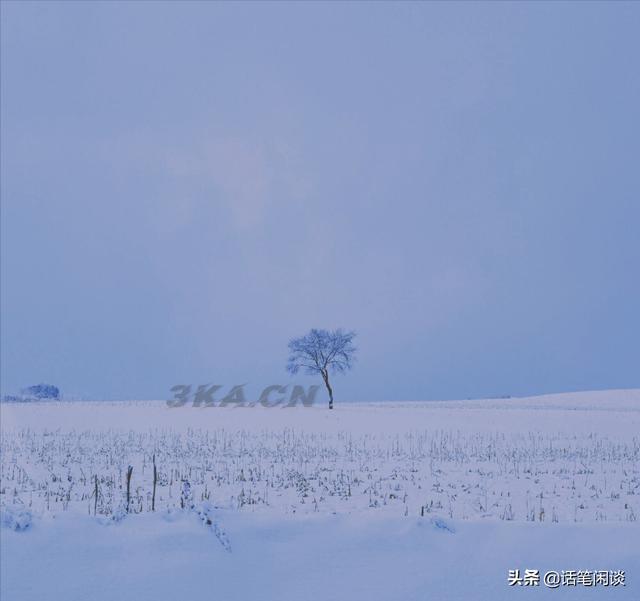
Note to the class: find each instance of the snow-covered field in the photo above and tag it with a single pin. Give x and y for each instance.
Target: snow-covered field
(370, 501)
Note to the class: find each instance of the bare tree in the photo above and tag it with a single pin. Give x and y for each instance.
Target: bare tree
(322, 352)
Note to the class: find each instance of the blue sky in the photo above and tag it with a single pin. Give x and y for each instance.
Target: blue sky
(186, 186)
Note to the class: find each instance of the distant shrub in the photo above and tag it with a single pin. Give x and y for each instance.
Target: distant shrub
(42, 391)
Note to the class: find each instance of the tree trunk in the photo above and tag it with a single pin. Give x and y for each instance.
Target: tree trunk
(325, 377)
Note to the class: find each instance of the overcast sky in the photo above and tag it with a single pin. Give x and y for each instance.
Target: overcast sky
(187, 186)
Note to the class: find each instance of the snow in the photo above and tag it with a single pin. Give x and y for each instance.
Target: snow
(410, 500)
(322, 557)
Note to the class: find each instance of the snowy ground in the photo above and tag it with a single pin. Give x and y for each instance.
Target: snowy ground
(370, 501)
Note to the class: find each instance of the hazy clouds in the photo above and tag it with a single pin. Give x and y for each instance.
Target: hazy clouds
(185, 186)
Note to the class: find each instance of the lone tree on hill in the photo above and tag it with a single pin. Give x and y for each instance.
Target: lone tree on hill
(322, 352)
